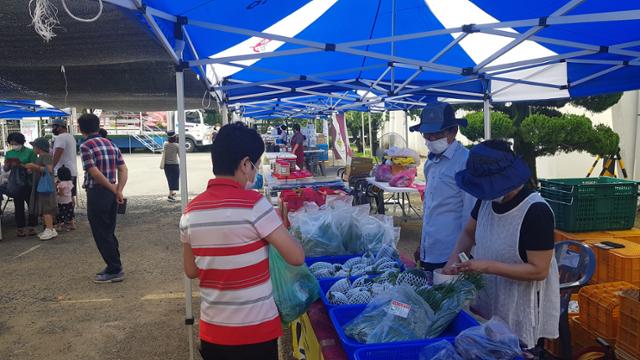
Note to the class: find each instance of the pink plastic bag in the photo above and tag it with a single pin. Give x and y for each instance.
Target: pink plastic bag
(383, 173)
(404, 178)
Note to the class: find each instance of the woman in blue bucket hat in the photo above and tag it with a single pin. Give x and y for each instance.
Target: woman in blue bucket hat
(510, 235)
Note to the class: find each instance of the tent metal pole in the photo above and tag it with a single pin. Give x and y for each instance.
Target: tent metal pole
(486, 109)
(364, 148)
(370, 138)
(393, 43)
(184, 199)
(406, 127)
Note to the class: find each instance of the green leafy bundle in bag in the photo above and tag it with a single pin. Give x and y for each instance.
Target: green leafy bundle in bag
(294, 287)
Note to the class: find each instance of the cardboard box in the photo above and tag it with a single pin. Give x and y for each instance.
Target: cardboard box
(359, 167)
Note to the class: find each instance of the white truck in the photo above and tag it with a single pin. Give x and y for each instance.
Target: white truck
(197, 133)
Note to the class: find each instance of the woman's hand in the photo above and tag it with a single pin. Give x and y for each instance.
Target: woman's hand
(451, 268)
(481, 266)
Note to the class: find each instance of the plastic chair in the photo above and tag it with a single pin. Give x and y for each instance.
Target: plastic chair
(576, 264)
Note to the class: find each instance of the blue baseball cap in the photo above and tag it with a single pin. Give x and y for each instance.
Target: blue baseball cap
(436, 117)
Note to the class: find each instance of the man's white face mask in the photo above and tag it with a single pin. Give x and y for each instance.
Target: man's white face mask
(437, 146)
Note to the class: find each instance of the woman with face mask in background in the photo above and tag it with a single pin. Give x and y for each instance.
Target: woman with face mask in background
(15, 159)
(446, 207)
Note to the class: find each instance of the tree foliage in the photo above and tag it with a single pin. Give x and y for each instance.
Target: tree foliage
(501, 126)
(354, 125)
(539, 129)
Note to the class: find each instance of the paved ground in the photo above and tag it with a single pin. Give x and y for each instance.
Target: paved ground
(50, 308)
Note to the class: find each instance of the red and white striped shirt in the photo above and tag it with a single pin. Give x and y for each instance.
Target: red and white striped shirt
(226, 226)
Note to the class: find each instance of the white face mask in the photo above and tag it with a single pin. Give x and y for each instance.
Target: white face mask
(16, 147)
(498, 199)
(438, 146)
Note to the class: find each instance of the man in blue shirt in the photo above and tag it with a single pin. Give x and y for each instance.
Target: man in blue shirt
(446, 207)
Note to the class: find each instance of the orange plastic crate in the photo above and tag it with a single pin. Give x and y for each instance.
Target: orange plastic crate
(617, 264)
(581, 337)
(560, 235)
(629, 325)
(625, 233)
(600, 307)
(635, 239)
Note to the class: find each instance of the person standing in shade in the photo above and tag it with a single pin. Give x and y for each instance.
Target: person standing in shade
(170, 164)
(104, 181)
(446, 207)
(297, 146)
(64, 154)
(15, 160)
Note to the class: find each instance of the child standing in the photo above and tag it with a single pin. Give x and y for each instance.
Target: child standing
(65, 201)
(43, 203)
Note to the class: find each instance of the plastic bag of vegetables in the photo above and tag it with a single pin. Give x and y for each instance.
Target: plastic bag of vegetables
(441, 350)
(447, 299)
(398, 315)
(294, 287)
(338, 228)
(492, 340)
(322, 231)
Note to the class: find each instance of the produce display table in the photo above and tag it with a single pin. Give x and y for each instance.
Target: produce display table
(272, 184)
(400, 197)
(313, 334)
(273, 156)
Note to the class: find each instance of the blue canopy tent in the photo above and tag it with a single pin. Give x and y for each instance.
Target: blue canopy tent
(396, 52)
(18, 109)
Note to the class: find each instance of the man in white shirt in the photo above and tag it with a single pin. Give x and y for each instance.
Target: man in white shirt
(64, 150)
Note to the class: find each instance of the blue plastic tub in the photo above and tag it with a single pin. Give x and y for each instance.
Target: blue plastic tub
(392, 352)
(341, 315)
(401, 352)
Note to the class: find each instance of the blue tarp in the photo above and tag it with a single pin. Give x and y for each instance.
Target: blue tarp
(572, 47)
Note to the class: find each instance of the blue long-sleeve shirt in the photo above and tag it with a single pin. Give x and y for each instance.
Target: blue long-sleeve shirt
(446, 207)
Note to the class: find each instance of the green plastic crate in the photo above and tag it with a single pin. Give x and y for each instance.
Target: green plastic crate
(591, 204)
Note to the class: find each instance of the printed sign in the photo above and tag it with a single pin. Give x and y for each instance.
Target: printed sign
(398, 308)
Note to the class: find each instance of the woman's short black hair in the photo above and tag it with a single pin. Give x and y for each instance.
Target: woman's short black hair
(64, 174)
(234, 143)
(296, 127)
(16, 137)
(103, 133)
(89, 123)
